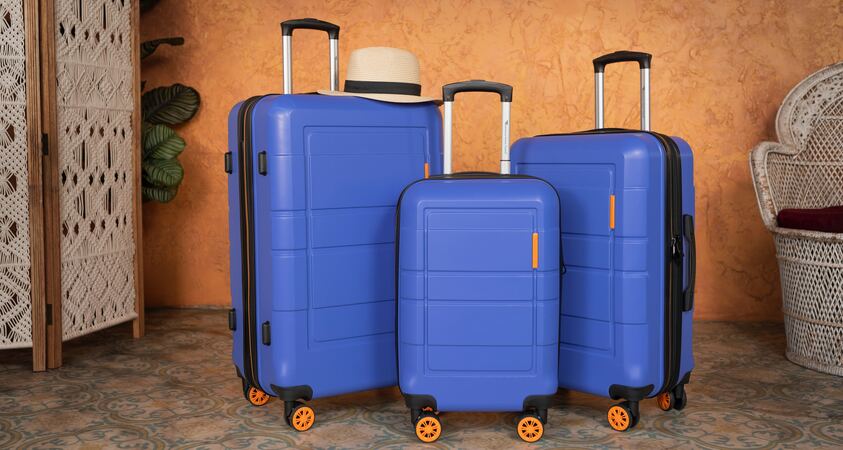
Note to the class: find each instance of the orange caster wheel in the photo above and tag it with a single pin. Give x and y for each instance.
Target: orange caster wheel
(623, 416)
(530, 428)
(256, 396)
(301, 417)
(666, 401)
(428, 427)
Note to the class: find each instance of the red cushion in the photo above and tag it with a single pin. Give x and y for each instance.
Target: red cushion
(829, 220)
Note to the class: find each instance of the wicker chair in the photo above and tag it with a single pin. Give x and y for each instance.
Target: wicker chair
(805, 170)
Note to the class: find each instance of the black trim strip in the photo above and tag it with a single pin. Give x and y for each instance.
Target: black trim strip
(381, 87)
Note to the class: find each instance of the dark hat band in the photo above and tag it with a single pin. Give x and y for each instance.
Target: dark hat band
(381, 87)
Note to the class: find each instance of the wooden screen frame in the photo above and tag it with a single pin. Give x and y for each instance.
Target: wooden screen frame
(38, 303)
(51, 187)
(139, 324)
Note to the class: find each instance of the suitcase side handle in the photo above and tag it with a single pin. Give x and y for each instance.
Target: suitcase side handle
(688, 231)
(333, 31)
(644, 60)
(449, 92)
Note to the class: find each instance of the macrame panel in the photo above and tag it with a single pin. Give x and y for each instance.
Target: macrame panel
(15, 312)
(95, 106)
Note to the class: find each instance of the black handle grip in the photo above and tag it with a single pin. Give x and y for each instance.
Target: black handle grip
(643, 59)
(229, 166)
(449, 91)
(288, 26)
(262, 163)
(688, 231)
(266, 333)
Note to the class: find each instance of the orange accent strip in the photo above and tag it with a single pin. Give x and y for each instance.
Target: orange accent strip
(535, 250)
(612, 212)
(427, 170)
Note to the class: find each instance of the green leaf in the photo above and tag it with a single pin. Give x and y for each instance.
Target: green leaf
(146, 5)
(171, 104)
(162, 172)
(158, 194)
(161, 142)
(149, 47)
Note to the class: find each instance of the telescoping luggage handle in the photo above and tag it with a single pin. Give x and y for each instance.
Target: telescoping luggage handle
(600, 63)
(449, 91)
(333, 31)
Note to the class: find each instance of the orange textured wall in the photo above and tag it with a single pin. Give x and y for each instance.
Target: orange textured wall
(720, 70)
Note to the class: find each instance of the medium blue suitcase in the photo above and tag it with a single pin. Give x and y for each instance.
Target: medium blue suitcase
(628, 234)
(478, 290)
(313, 185)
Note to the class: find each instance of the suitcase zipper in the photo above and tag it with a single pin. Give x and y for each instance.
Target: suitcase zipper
(675, 297)
(247, 241)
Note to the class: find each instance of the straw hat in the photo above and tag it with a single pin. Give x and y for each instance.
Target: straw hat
(383, 73)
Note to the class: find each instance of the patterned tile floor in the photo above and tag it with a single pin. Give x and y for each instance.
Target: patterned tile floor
(176, 388)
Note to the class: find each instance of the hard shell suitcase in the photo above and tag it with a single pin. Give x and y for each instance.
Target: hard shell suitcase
(313, 184)
(478, 290)
(628, 234)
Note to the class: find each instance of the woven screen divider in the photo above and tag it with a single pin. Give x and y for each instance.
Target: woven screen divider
(15, 286)
(95, 143)
(70, 204)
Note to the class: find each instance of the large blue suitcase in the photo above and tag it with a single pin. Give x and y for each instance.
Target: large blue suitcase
(628, 234)
(313, 185)
(478, 290)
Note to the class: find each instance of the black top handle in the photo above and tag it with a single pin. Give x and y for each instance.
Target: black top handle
(449, 91)
(643, 59)
(309, 23)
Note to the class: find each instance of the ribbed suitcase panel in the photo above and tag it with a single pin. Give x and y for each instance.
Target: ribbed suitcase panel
(324, 235)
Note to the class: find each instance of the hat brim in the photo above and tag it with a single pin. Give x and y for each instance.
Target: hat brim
(391, 98)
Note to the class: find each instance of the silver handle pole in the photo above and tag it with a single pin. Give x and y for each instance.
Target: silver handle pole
(645, 99)
(446, 136)
(287, 52)
(335, 64)
(598, 100)
(505, 115)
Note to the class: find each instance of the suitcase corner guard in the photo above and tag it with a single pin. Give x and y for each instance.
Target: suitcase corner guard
(539, 402)
(419, 401)
(292, 393)
(617, 391)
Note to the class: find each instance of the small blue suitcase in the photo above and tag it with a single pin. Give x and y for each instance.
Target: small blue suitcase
(313, 183)
(628, 234)
(478, 290)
